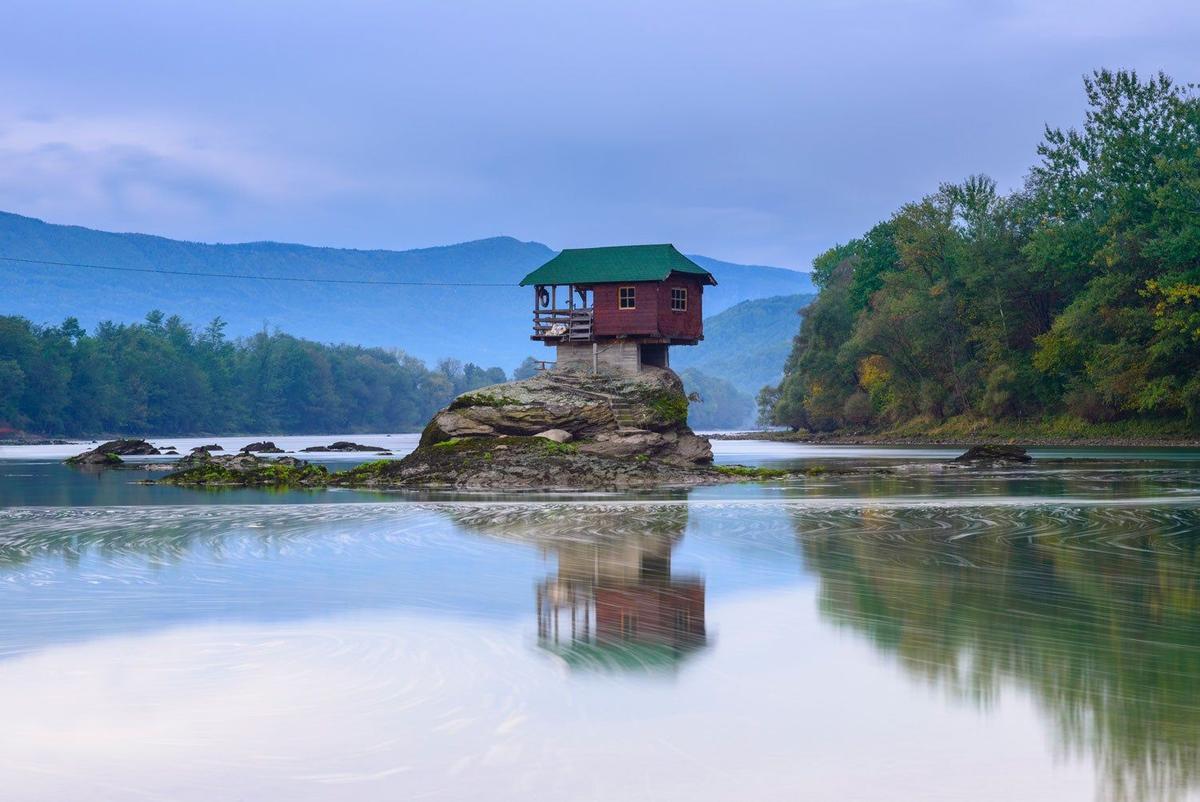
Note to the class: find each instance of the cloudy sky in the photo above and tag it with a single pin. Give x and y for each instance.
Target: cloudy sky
(750, 131)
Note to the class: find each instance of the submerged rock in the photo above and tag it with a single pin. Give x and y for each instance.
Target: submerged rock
(995, 454)
(342, 445)
(110, 453)
(262, 447)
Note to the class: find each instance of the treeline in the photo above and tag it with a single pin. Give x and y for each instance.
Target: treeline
(164, 377)
(1077, 297)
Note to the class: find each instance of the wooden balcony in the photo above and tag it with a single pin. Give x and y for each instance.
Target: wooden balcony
(563, 325)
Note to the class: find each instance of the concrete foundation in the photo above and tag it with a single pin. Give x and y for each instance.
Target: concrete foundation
(615, 356)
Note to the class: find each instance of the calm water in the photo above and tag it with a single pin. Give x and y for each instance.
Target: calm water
(1031, 633)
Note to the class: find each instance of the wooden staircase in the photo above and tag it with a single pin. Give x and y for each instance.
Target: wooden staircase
(623, 412)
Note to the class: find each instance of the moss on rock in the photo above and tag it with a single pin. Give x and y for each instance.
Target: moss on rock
(275, 474)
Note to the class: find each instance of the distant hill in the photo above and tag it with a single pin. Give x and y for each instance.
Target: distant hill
(486, 325)
(747, 343)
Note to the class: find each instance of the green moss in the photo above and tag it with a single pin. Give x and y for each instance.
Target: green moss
(552, 447)
(748, 472)
(270, 474)
(667, 406)
(365, 473)
(451, 443)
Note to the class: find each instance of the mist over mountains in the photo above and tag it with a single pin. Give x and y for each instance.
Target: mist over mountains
(485, 325)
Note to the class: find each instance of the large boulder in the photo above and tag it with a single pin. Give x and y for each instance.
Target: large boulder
(596, 430)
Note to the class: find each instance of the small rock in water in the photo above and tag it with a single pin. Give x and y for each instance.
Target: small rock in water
(262, 447)
(110, 453)
(341, 445)
(995, 453)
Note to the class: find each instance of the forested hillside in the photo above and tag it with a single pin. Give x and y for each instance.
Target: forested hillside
(162, 377)
(1075, 299)
(487, 324)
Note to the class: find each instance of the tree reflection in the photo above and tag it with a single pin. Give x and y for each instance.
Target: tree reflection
(1096, 611)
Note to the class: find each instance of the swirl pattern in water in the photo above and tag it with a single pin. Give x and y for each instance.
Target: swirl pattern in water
(872, 637)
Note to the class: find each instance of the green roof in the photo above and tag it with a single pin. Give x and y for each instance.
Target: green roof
(616, 263)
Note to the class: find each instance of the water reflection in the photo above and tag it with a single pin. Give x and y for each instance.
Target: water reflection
(1094, 611)
(614, 602)
(618, 604)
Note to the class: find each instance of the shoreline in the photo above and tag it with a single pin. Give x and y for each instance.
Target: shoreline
(960, 441)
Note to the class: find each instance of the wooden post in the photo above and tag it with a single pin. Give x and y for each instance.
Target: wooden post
(595, 359)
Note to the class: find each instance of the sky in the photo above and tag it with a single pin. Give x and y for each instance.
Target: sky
(754, 131)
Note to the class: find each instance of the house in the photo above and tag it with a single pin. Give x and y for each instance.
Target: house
(618, 308)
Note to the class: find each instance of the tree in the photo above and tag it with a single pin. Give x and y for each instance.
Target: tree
(1076, 295)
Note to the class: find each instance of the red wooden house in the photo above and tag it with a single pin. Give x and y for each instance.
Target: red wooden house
(620, 307)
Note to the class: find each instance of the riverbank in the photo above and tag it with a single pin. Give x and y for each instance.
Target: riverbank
(1030, 437)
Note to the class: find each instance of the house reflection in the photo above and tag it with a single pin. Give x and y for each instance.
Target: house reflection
(616, 604)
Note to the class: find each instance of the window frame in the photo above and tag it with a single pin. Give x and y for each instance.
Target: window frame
(683, 293)
(621, 299)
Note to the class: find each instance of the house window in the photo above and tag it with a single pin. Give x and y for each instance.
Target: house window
(683, 621)
(626, 298)
(628, 626)
(678, 299)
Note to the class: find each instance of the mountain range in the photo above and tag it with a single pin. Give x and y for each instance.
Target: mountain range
(487, 325)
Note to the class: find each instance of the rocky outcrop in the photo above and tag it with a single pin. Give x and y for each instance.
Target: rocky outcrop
(262, 447)
(559, 429)
(245, 470)
(110, 453)
(995, 454)
(343, 446)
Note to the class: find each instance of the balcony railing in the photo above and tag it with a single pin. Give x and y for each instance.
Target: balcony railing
(567, 325)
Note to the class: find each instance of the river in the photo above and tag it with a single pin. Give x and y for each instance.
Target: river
(1025, 633)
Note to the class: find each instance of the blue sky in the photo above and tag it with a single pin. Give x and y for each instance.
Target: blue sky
(750, 131)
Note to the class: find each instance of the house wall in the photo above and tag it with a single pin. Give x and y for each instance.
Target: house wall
(610, 321)
(688, 324)
(653, 315)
